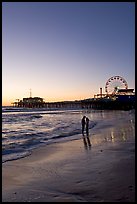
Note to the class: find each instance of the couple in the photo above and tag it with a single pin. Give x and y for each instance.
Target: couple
(85, 124)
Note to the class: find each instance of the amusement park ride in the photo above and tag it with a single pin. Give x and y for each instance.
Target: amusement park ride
(115, 86)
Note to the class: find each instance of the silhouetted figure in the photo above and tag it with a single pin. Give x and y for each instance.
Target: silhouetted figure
(83, 122)
(87, 126)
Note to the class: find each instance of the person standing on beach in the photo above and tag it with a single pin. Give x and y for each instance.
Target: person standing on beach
(83, 122)
(87, 126)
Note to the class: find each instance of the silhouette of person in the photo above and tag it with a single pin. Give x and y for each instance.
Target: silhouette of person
(87, 126)
(83, 122)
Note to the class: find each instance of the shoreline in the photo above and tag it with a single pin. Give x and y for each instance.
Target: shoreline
(74, 171)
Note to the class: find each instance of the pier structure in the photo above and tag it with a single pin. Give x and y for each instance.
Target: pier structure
(117, 96)
(37, 102)
(119, 102)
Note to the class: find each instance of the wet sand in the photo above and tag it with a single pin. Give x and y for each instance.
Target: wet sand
(74, 171)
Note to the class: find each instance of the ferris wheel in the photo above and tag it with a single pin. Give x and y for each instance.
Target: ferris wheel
(115, 83)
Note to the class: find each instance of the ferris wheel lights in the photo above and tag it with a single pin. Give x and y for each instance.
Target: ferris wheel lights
(114, 83)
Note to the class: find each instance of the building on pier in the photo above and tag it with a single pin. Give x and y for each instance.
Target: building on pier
(31, 102)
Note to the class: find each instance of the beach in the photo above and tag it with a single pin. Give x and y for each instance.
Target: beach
(101, 169)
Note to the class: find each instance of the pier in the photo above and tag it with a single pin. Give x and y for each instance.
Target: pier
(121, 103)
(114, 98)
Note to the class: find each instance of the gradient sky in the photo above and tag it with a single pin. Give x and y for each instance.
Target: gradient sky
(65, 50)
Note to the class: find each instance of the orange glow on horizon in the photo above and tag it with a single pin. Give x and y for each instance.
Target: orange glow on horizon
(9, 101)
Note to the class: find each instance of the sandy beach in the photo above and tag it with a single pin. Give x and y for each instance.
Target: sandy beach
(74, 171)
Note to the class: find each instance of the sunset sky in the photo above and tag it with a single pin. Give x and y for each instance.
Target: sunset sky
(65, 50)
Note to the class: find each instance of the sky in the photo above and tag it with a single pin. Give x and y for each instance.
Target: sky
(65, 51)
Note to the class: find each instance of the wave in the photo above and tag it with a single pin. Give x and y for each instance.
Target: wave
(14, 156)
(71, 132)
(22, 142)
(24, 131)
(13, 118)
(10, 109)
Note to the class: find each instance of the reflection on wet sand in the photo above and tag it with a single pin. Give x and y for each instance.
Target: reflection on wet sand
(87, 142)
(122, 133)
(112, 133)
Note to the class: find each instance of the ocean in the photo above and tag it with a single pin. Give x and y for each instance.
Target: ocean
(26, 129)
